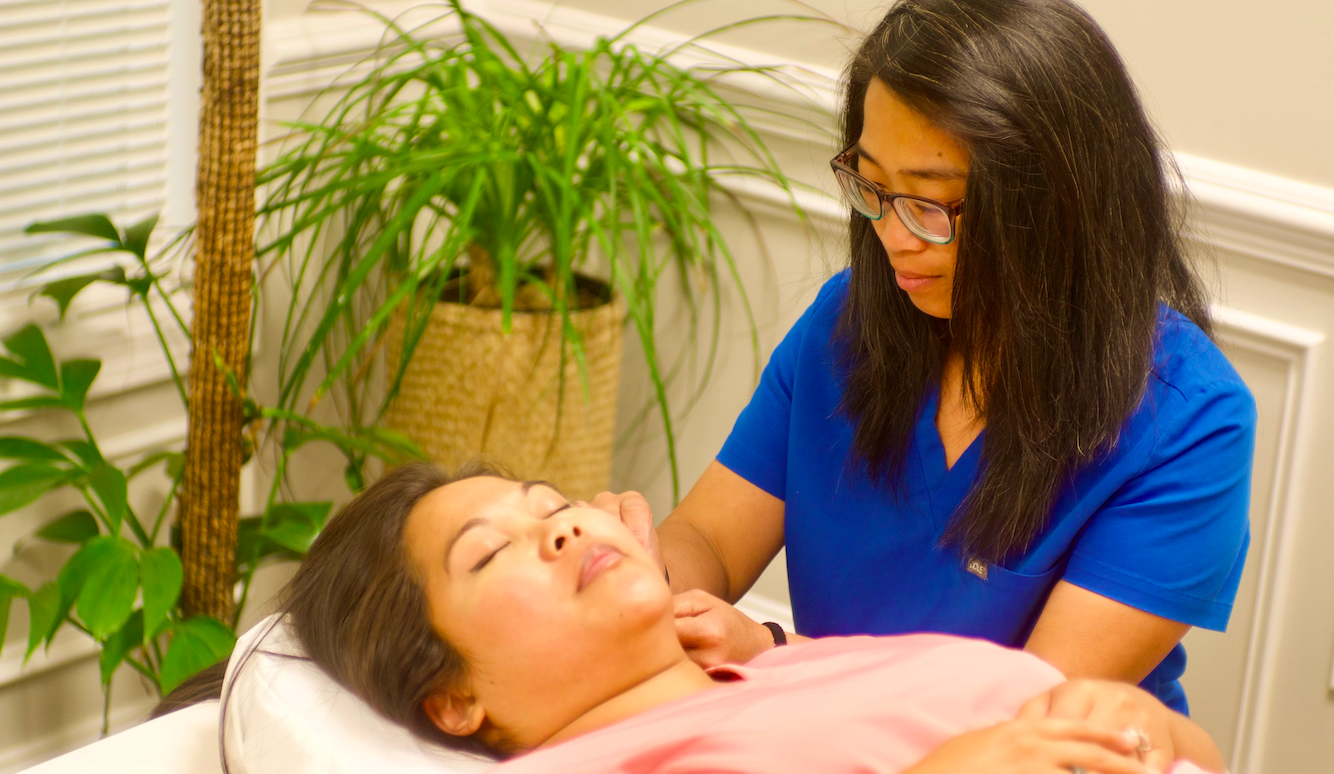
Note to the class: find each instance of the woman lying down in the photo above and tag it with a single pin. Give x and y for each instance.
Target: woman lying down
(493, 615)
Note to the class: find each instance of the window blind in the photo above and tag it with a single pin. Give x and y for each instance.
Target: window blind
(83, 118)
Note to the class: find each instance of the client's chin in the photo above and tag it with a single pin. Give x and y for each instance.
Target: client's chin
(629, 597)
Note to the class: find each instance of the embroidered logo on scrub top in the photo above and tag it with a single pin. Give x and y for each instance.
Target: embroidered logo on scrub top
(977, 567)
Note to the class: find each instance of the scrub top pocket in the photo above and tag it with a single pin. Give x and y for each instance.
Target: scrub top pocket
(1004, 607)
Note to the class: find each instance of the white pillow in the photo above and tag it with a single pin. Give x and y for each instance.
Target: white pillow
(284, 715)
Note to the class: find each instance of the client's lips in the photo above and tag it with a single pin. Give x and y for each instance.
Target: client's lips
(599, 558)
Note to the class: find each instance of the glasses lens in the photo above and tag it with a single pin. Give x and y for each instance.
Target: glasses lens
(862, 198)
(928, 221)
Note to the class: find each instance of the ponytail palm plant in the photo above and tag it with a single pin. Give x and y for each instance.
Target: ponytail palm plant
(458, 169)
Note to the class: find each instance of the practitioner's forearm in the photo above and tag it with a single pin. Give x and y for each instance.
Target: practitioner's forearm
(722, 535)
(692, 562)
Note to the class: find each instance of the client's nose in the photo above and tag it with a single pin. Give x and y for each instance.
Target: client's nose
(561, 533)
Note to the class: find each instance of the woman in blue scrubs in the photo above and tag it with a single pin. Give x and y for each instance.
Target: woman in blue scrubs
(1007, 418)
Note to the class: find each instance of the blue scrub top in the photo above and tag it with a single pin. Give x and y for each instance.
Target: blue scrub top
(1158, 523)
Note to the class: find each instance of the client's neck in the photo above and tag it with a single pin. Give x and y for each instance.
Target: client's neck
(678, 679)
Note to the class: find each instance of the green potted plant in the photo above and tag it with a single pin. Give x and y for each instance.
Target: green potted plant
(478, 224)
(120, 579)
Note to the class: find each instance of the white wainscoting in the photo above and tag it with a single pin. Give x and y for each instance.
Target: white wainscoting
(1274, 524)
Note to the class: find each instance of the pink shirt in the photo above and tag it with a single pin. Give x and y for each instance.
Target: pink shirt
(833, 705)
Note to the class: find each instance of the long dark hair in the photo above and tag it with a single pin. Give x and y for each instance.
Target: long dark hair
(1068, 245)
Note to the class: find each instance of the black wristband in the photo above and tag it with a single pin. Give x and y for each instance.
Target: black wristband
(780, 636)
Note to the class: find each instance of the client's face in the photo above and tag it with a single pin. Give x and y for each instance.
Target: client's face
(554, 606)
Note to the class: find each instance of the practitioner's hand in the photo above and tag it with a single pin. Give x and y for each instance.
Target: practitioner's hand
(1043, 746)
(713, 632)
(1142, 719)
(635, 514)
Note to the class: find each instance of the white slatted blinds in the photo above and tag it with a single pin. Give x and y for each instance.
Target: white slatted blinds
(83, 117)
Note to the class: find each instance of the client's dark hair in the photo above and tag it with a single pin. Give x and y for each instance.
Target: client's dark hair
(359, 609)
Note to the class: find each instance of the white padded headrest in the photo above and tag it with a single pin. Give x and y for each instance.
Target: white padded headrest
(284, 715)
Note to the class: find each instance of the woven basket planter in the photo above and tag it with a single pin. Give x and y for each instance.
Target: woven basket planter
(473, 391)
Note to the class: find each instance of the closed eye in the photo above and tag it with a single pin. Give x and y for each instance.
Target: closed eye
(487, 559)
(558, 510)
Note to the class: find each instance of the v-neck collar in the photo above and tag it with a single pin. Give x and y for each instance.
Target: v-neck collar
(931, 450)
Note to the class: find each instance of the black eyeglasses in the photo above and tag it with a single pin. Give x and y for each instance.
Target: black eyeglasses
(926, 218)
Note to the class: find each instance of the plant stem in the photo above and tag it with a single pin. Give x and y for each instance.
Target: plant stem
(87, 431)
(162, 512)
(137, 528)
(170, 306)
(166, 352)
(93, 506)
(145, 671)
(106, 710)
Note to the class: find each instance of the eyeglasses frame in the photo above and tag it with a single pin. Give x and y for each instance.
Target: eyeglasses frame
(839, 163)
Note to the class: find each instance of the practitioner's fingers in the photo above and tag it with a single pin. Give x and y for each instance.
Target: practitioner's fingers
(714, 632)
(702, 640)
(1073, 699)
(634, 512)
(1142, 719)
(1036, 707)
(1110, 738)
(1043, 746)
(1092, 758)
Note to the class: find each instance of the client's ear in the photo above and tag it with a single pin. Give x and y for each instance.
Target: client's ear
(456, 715)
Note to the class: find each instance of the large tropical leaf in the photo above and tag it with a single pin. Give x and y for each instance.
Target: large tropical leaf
(33, 356)
(160, 575)
(196, 643)
(27, 481)
(105, 576)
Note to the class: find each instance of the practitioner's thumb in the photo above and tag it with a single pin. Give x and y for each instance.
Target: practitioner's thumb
(690, 603)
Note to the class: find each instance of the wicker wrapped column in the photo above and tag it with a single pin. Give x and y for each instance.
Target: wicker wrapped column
(228, 123)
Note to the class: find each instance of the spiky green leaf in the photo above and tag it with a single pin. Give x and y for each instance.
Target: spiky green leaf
(93, 224)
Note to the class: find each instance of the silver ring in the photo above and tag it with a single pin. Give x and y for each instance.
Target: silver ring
(1141, 739)
(1077, 770)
